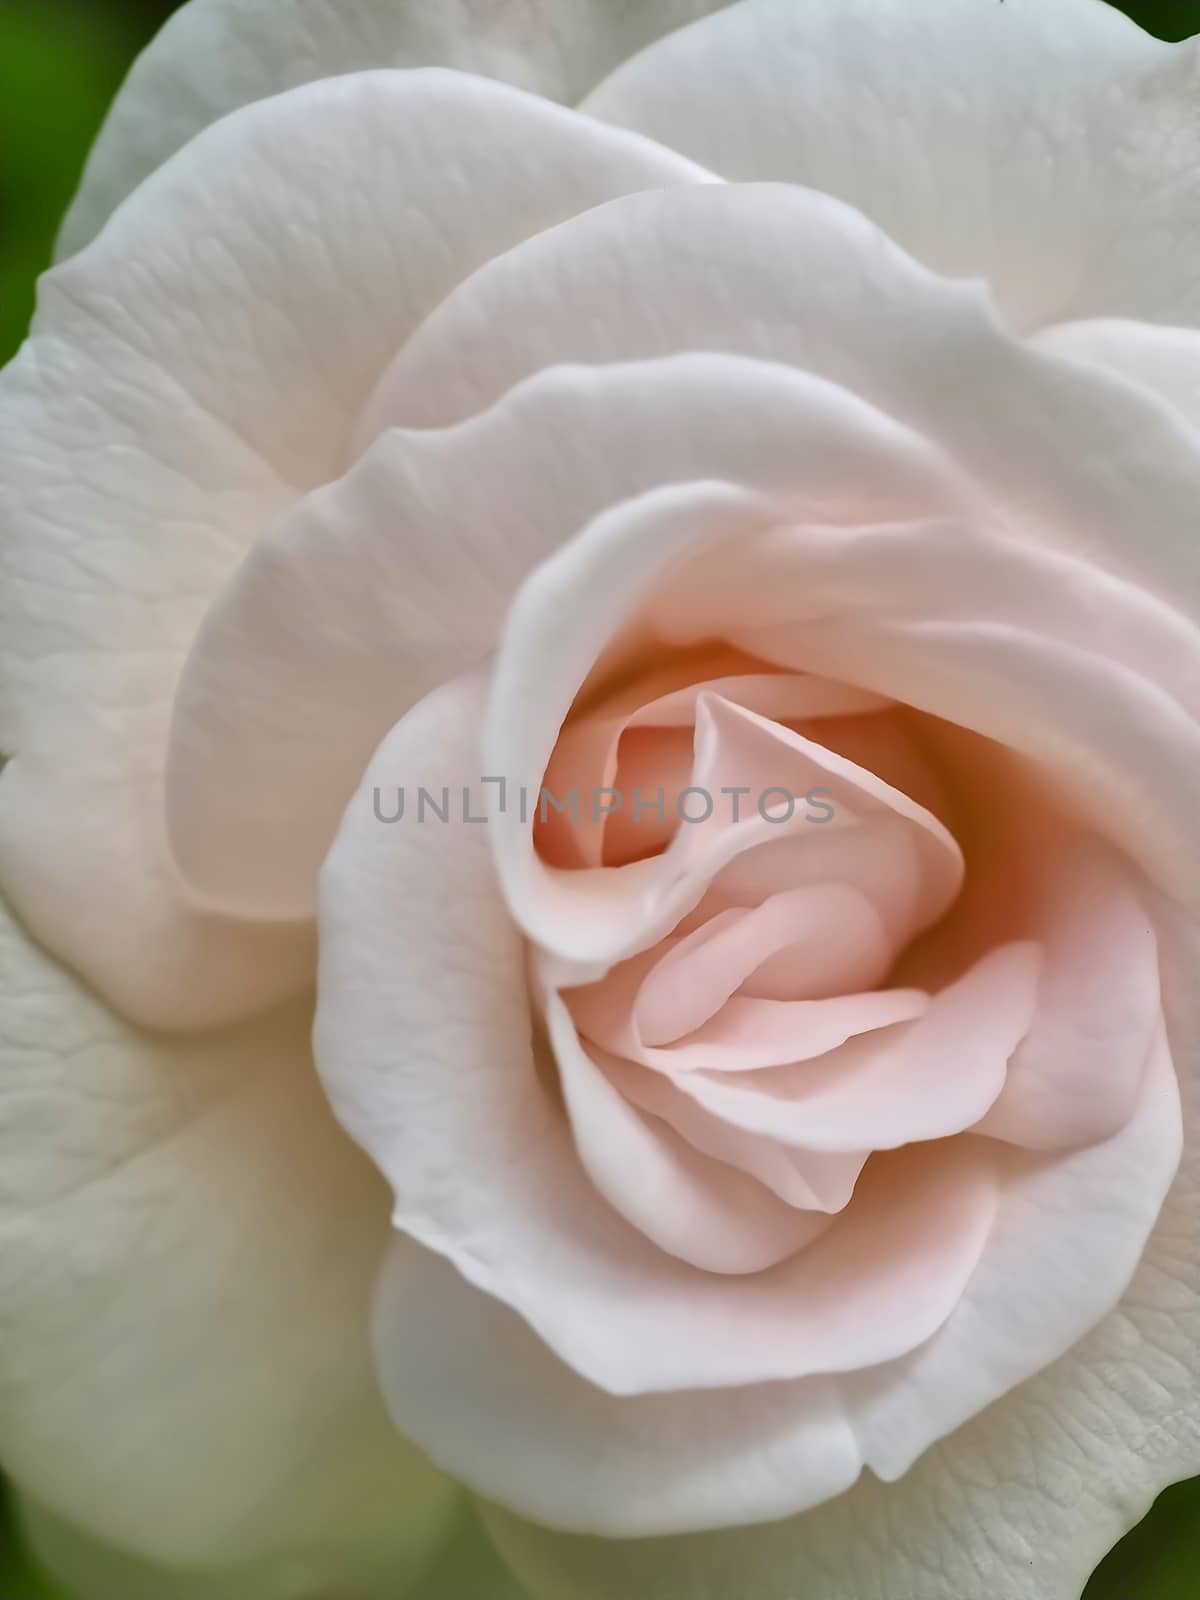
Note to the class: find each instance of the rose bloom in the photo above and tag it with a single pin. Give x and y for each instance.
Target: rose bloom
(775, 426)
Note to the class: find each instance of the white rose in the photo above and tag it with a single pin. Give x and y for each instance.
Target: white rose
(811, 413)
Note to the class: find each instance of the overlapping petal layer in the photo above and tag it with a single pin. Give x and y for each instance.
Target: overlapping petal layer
(188, 1250)
(215, 56)
(179, 396)
(733, 1158)
(669, 1126)
(488, 1172)
(444, 526)
(1048, 148)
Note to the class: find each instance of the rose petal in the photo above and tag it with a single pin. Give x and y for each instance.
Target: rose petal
(537, 674)
(1164, 360)
(815, 1180)
(1077, 1075)
(1069, 458)
(744, 1035)
(924, 1079)
(187, 1251)
(934, 569)
(589, 750)
(1119, 752)
(832, 936)
(650, 1461)
(879, 856)
(1046, 147)
(705, 1212)
(215, 56)
(1090, 1214)
(91, 1568)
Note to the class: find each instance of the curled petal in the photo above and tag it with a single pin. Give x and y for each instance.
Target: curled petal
(412, 560)
(710, 1213)
(920, 1080)
(425, 1048)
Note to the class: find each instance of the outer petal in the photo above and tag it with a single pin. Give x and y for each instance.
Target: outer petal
(1070, 457)
(187, 1249)
(215, 56)
(635, 1464)
(1072, 460)
(1165, 361)
(1069, 1234)
(1047, 145)
(189, 377)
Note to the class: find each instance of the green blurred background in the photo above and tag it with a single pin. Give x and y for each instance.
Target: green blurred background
(60, 64)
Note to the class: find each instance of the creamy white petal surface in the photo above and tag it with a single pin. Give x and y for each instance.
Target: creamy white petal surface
(187, 1245)
(1046, 147)
(177, 399)
(215, 56)
(515, 1233)
(146, 447)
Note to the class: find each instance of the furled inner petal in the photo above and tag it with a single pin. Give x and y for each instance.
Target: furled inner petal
(761, 781)
(814, 1180)
(914, 1081)
(210, 60)
(742, 1035)
(965, 130)
(485, 1165)
(879, 857)
(189, 378)
(623, 745)
(1077, 1075)
(462, 515)
(771, 988)
(710, 1213)
(801, 944)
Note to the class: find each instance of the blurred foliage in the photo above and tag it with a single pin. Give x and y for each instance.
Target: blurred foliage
(17, 1578)
(469, 1568)
(466, 1567)
(1160, 1559)
(60, 64)
(1169, 19)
